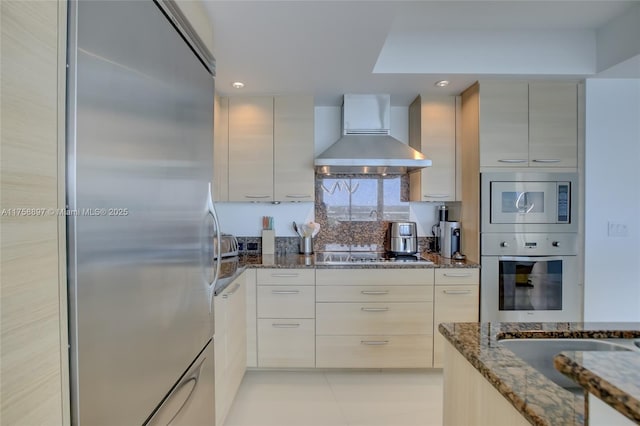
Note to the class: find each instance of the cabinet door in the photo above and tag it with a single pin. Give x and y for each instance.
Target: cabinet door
(220, 358)
(504, 124)
(553, 124)
(251, 149)
(453, 303)
(293, 148)
(435, 136)
(221, 149)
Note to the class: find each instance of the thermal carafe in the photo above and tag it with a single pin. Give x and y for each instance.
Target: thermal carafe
(449, 238)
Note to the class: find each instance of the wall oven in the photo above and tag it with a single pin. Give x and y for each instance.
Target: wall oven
(530, 277)
(529, 202)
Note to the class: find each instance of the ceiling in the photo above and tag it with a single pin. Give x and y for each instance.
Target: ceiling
(329, 48)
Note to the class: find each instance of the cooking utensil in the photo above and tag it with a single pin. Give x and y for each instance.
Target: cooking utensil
(316, 229)
(295, 228)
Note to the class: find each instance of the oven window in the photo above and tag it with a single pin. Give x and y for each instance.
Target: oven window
(530, 285)
(522, 202)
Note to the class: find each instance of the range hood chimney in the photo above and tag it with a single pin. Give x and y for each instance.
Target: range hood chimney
(366, 146)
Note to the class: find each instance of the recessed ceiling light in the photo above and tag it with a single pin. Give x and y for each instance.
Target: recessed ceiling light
(237, 85)
(442, 83)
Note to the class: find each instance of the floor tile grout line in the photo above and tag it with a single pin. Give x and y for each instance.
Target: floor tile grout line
(335, 398)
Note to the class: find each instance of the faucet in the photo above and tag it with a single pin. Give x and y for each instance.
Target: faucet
(374, 213)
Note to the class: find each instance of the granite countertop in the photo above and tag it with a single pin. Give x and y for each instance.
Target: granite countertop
(540, 401)
(614, 377)
(302, 261)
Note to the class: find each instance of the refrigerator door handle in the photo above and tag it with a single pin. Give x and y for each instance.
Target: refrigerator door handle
(160, 417)
(218, 247)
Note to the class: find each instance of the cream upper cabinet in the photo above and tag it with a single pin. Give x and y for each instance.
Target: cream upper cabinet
(293, 135)
(504, 124)
(432, 131)
(221, 149)
(553, 124)
(251, 149)
(270, 148)
(525, 124)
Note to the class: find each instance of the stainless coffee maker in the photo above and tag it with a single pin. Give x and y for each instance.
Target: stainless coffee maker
(450, 238)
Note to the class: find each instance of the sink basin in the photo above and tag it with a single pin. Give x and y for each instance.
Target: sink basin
(539, 353)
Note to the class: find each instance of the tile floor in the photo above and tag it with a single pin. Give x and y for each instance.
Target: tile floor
(343, 398)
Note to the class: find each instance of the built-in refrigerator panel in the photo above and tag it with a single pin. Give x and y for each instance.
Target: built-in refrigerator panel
(140, 163)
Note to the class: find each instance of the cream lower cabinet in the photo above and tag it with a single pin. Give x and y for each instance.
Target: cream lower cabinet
(286, 318)
(374, 318)
(469, 398)
(230, 351)
(456, 299)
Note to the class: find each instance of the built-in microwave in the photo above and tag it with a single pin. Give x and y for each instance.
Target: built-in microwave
(529, 202)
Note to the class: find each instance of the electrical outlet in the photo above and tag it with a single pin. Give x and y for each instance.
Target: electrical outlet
(617, 229)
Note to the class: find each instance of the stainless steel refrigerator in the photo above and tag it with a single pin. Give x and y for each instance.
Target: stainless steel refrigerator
(141, 223)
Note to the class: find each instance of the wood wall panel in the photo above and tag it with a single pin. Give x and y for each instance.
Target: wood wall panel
(34, 371)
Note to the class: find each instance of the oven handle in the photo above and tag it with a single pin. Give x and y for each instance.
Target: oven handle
(532, 258)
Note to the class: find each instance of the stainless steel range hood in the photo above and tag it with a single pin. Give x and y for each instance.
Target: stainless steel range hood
(366, 146)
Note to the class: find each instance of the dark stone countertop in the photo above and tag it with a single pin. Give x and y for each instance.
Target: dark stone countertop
(540, 401)
(232, 267)
(301, 261)
(614, 377)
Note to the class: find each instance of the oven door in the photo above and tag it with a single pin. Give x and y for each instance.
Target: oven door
(530, 288)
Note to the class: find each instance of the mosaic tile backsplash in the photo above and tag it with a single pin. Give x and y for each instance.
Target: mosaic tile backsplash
(354, 211)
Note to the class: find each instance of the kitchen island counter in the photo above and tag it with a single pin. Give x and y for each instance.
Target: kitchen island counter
(536, 398)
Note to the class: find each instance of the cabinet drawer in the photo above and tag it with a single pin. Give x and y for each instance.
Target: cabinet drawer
(385, 277)
(455, 303)
(374, 318)
(286, 277)
(373, 351)
(445, 276)
(392, 293)
(286, 343)
(286, 301)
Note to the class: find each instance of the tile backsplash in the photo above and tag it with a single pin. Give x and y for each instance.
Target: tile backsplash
(354, 211)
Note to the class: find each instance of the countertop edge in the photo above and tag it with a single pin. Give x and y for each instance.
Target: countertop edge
(486, 371)
(609, 393)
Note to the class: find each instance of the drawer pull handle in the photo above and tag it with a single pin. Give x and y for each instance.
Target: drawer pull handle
(284, 275)
(285, 291)
(235, 288)
(374, 309)
(374, 342)
(512, 160)
(298, 196)
(436, 195)
(546, 160)
(286, 325)
(375, 292)
(257, 196)
(456, 291)
(457, 275)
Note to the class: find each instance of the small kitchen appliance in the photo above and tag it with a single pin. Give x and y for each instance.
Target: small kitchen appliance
(402, 238)
(449, 238)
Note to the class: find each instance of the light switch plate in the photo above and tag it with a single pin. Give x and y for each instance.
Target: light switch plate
(617, 229)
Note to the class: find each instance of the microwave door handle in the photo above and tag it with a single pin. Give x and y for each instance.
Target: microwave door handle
(523, 208)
